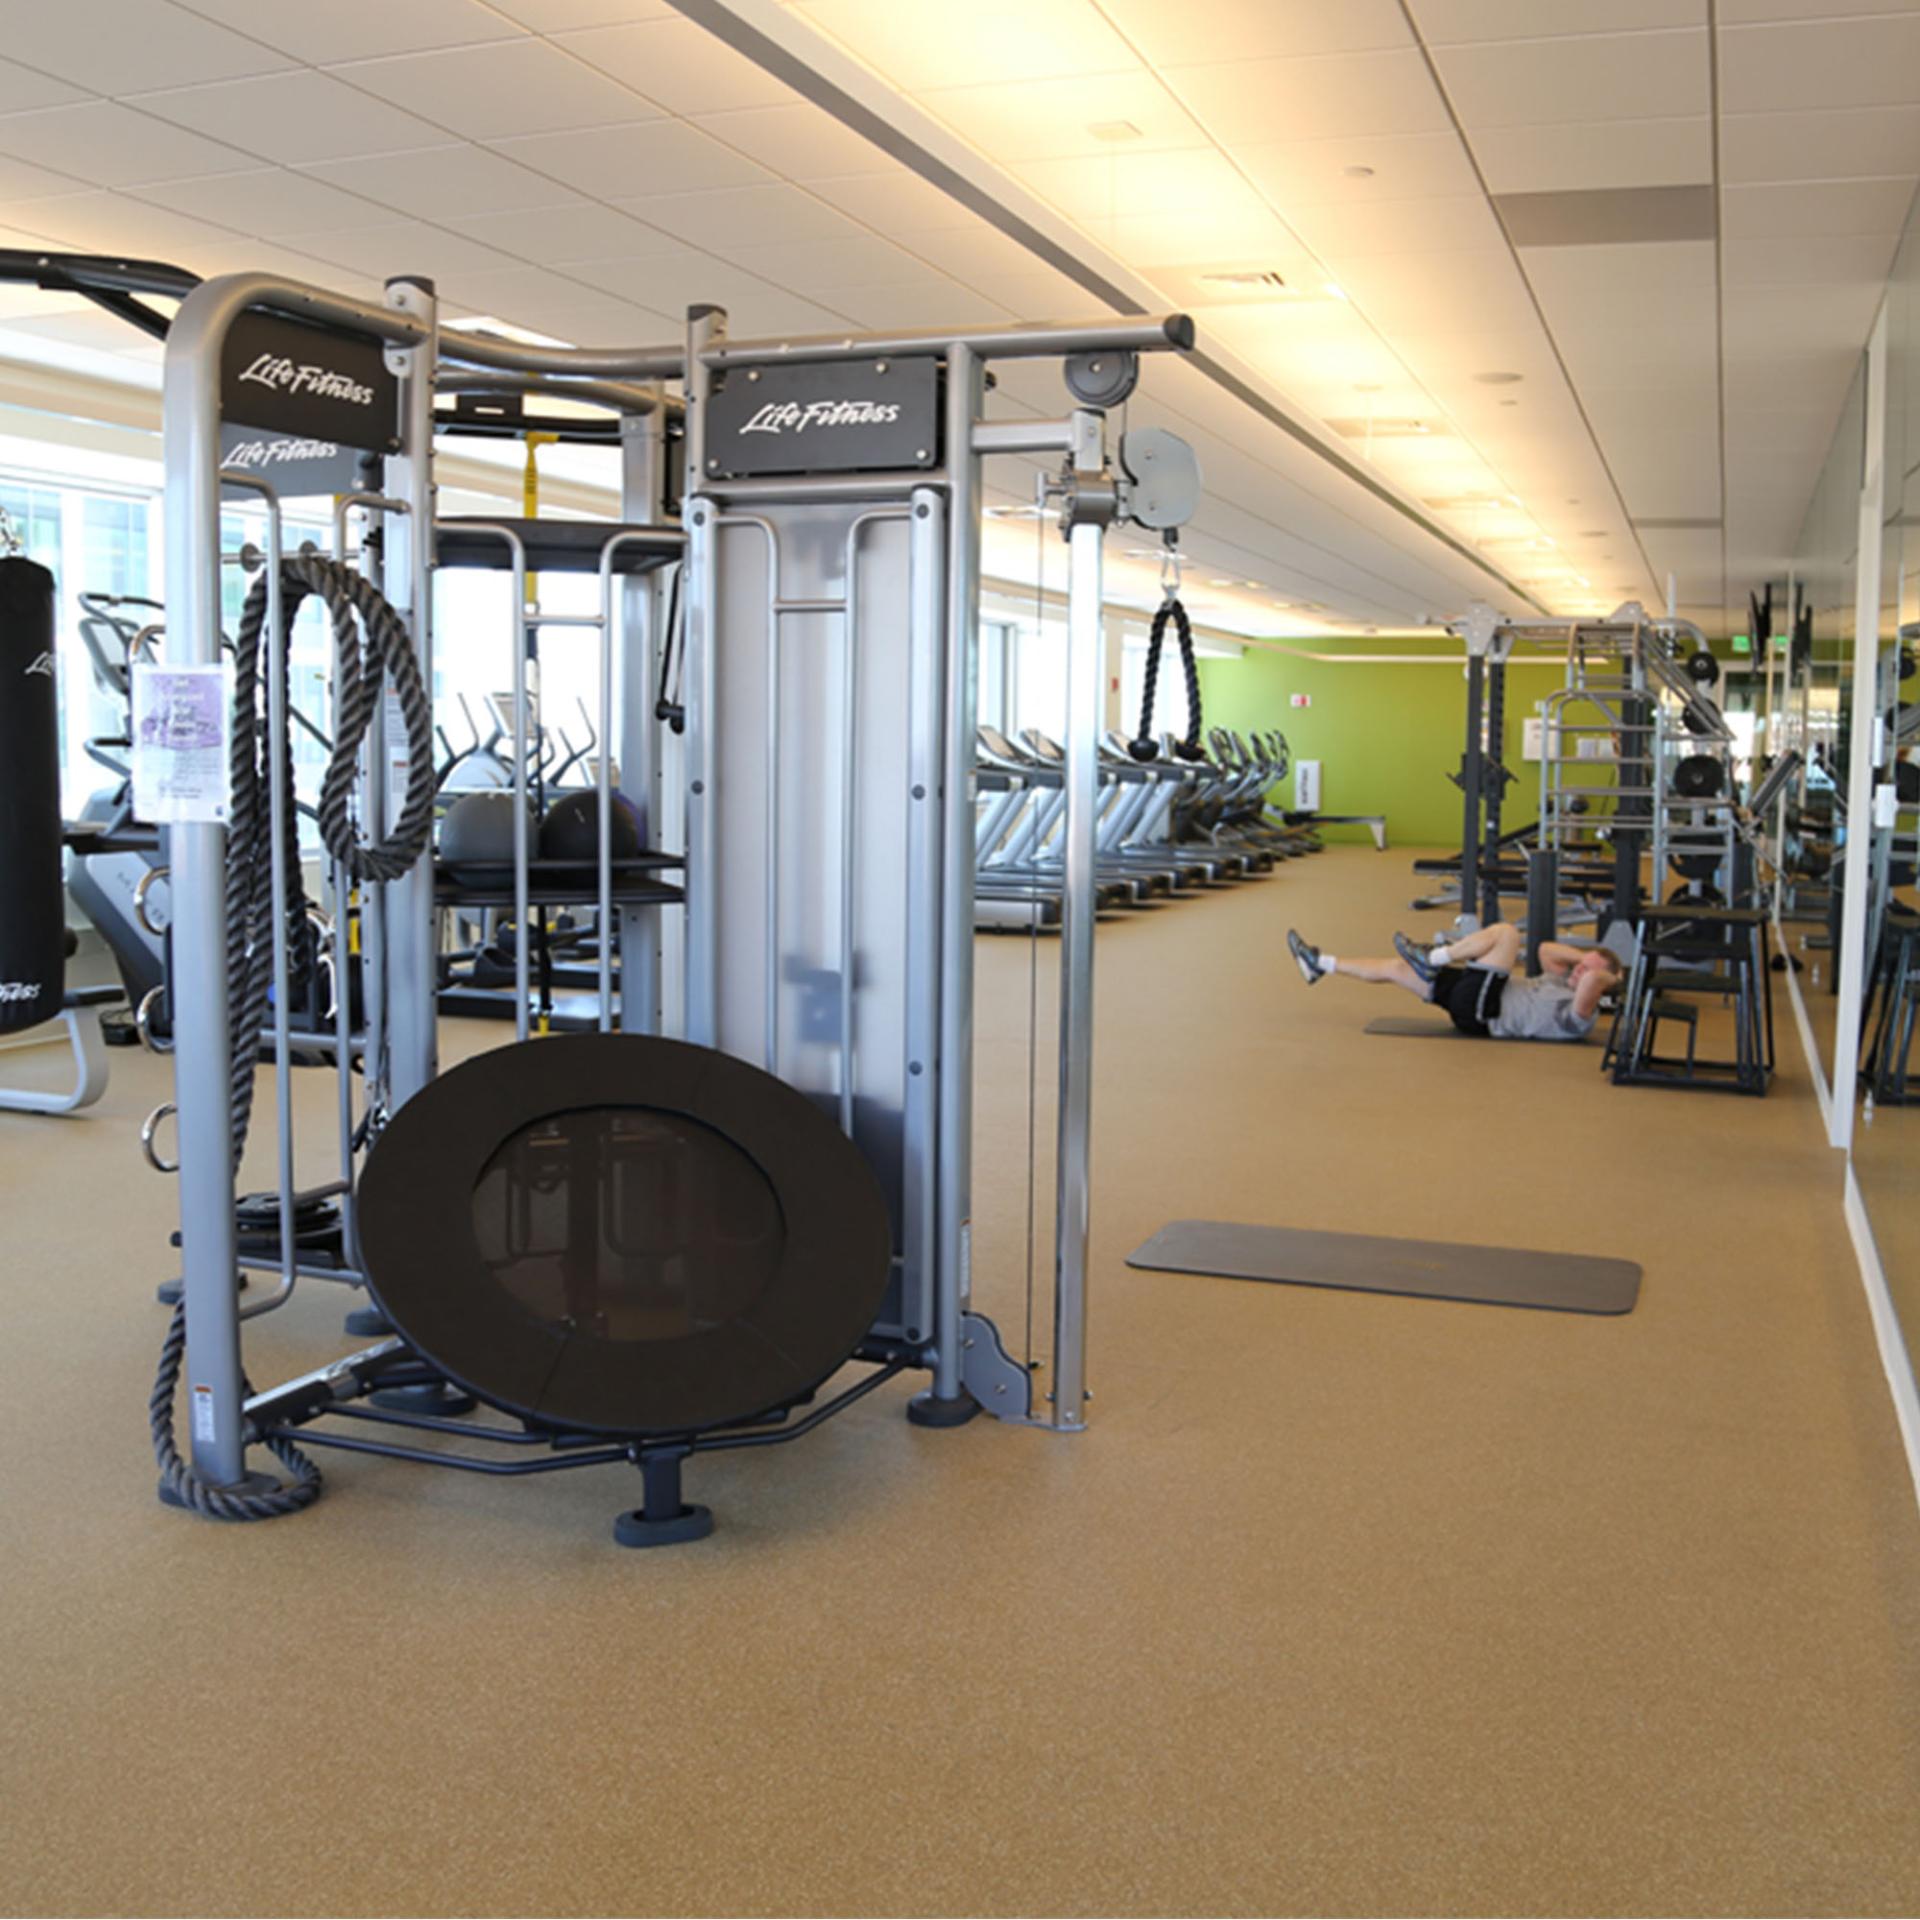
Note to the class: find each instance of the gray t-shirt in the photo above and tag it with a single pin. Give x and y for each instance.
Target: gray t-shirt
(1538, 1009)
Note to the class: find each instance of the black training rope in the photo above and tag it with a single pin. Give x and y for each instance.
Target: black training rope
(669, 702)
(1145, 746)
(353, 603)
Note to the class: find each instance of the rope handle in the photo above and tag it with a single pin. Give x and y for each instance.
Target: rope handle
(1144, 746)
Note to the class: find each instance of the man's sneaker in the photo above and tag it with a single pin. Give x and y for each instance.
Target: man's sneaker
(1416, 957)
(1307, 957)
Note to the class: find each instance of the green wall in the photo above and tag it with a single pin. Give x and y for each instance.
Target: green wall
(1387, 737)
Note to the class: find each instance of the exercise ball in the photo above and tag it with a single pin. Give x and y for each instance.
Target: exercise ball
(478, 830)
(571, 830)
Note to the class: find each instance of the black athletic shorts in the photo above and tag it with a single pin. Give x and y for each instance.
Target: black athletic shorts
(1470, 995)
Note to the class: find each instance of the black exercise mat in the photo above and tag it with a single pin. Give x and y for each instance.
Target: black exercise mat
(1416, 1029)
(1367, 1263)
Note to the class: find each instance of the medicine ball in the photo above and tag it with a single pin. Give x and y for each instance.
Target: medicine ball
(478, 830)
(571, 830)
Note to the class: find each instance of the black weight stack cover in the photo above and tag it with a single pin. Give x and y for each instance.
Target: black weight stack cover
(619, 1234)
(33, 922)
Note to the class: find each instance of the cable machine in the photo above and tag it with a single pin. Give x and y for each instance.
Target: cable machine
(663, 1237)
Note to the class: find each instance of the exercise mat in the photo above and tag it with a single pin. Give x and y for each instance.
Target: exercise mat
(1368, 1263)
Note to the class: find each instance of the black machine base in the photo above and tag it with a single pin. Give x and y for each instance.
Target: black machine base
(431, 1396)
(637, 1529)
(248, 1485)
(929, 1409)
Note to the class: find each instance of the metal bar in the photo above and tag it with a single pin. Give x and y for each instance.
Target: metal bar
(603, 779)
(1085, 653)
(1023, 436)
(704, 326)
(564, 364)
(1152, 334)
(617, 396)
(954, 1138)
(318, 1437)
(822, 487)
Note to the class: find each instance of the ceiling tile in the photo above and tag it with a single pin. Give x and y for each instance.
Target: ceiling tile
(1313, 99)
(1307, 173)
(609, 162)
(272, 200)
(123, 46)
(656, 280)
(22, 89)
(1439, 225)
(406, 246)
(1113, 186)
(1450, 22)
(1811, 258)
(734, 217)
(1816, 207)
(1821, 63)
(1734, 13)
(1475, 291)
(809, 266)
(111, 223)
(1593, 153)
(294, 118)
(21, 181)
(494, 92)
(439, 182)
(801, 141)
(999, 40)
(115, 146)
(933, 301)
(1831, 144)
(1609, 216)
(359, 29)
(1256, 29)
(679, 64)
(893, 200)
(1049, 119)
(584, 231)
(558, 16)
(1518, 83)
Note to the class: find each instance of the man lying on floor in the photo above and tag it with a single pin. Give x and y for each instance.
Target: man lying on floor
(1473, 979)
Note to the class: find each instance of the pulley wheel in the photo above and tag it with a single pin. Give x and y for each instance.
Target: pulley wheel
(1102, 378)
(617, 1234)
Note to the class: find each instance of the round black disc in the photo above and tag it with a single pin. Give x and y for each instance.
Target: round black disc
(610, 1233)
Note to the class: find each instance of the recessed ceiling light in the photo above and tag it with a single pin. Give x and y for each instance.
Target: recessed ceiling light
(1509, 403)
(1253, 586)
(1114, 130)
(1389, 428)
(1219, 583)
(1369, 386)
(1333, 292)
(1247, 279)
(1358, 173)
(1594, 533)
(1499, 379)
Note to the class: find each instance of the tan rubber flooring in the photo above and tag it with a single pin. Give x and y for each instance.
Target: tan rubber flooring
(1345, 1604)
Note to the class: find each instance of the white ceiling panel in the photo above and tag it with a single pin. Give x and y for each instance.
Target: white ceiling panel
(1810, 259)
(1872, 62)
(796, 140)
(21, 89)
(809, 266)
(559, 16)
(1793, 210)
(584, 231)
(1357, 168)
(442, 182)
(1832, 144)
(1611, 281)
(358, 29)
(1574, 155)
(494, 92)
(1257, 29)
(123, 46)
(893, 201)
(932, 301)
(649, 156)
(1448, 224)
(1051, 119)
(736, 217)
(407, 246)
(680, 63)
(1452, 22)
(19, 180)
(1202, 181)
(1734, 13)
(1321, 98)
(114, 146)
(997, 40)
(1611, 76)
(292, 118)
(271, 200)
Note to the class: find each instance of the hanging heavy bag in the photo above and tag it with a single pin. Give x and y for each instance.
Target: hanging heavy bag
(33, 921)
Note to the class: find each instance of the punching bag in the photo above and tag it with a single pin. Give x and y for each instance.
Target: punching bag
(33, 921)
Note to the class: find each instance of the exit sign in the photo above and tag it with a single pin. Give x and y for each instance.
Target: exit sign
(1742, 644)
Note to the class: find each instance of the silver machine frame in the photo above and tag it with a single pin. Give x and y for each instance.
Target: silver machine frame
(829, 857)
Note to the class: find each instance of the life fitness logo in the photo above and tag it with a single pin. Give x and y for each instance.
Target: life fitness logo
(278, 453)
(789, 416)
(12, 991)
(281, 375)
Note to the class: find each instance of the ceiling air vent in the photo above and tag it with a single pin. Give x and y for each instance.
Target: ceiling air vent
(1381, 427)
(1247, 279)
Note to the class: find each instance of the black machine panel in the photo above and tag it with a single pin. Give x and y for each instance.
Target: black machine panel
(309, 382)
(610, 1233)
(830, 416)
